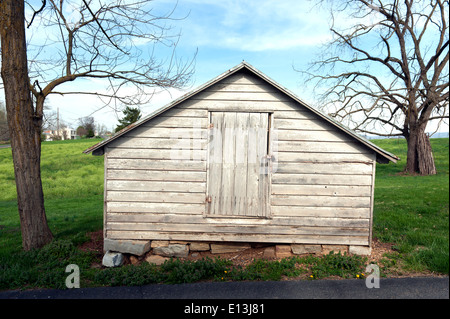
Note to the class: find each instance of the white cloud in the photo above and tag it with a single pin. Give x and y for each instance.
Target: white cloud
(255, 25)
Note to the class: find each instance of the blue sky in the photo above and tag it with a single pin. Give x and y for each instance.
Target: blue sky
(273, 36)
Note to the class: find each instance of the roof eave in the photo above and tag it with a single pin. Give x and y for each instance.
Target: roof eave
(378, 150)
(98, 149)
(155, 113)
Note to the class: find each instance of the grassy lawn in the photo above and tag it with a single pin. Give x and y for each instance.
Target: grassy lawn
(73, 189)
(410, 211)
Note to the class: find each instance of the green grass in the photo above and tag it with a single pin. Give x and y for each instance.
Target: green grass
(66, 172)
(410, 211)
(73, 190)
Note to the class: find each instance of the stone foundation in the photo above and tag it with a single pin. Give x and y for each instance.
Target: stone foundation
(158, 251)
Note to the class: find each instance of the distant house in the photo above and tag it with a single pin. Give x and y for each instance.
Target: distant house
(240, 159)
(63, 134)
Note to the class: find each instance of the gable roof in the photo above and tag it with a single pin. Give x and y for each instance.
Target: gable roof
(382, 155)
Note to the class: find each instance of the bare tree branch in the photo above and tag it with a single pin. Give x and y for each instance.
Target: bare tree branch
(394, 86)
(35, 13)
(114, 41)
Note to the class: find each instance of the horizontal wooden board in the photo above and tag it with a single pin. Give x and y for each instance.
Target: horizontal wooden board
(242, 87)
(340, 212)
(316, 179)
(297, 114)
(319, 136)
(169, 132)
(302, 124)
(175, 155)
(321, 190)
(241, 96)
(148, 175)
(320, 201)
(323, 147)
(182, 112)
(241, 78)
(153, 197)
(238, 237)
(240, 106)
(157, 186)
(328, 168)
(320, 157)
(160, 143)
(175, 121)
(152, 164)
(242, 229)
(157, 208)
(180, 218)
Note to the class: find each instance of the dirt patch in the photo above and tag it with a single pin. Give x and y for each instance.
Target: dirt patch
(245, 257)
(242, 258)
(379, 249)
(95, 243)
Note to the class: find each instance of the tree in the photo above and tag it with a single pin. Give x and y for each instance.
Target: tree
(387, 74)
(131, 115)
(111, 41)
(88, 126)
(24, 123)
(81, 131)
(4, 133)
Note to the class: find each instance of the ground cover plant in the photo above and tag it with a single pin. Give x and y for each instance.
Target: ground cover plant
(411, 212)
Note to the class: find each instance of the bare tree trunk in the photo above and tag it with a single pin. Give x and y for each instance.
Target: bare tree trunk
(420, 155)
(24, 126)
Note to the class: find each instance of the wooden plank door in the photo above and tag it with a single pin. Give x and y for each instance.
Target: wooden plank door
(238, 180)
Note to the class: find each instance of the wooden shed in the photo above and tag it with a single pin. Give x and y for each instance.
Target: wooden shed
(240, 159)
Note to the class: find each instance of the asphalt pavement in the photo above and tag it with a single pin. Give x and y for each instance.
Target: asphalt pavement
(389, 288)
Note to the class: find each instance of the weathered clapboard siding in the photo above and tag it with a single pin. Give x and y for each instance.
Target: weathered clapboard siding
(161, 143)
(320, 157)
(169, 132)
(242, 229)
(159, 168)
(326, 168)
(323, 212)
(316, 179)
(156, 197)
(157, 177)
(301, 135)
(194, 217)
(239, 106)
(178, 122)
(238, 237)
(155, 208)
(356, 225)
(168, 165)
(183, 156)
(322, 190)
(157, 186)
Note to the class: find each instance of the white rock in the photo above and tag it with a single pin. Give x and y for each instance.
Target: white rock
(360, 250)
(112, 259)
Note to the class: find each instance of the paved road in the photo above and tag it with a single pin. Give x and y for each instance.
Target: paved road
(400, 288)
(4, 146)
